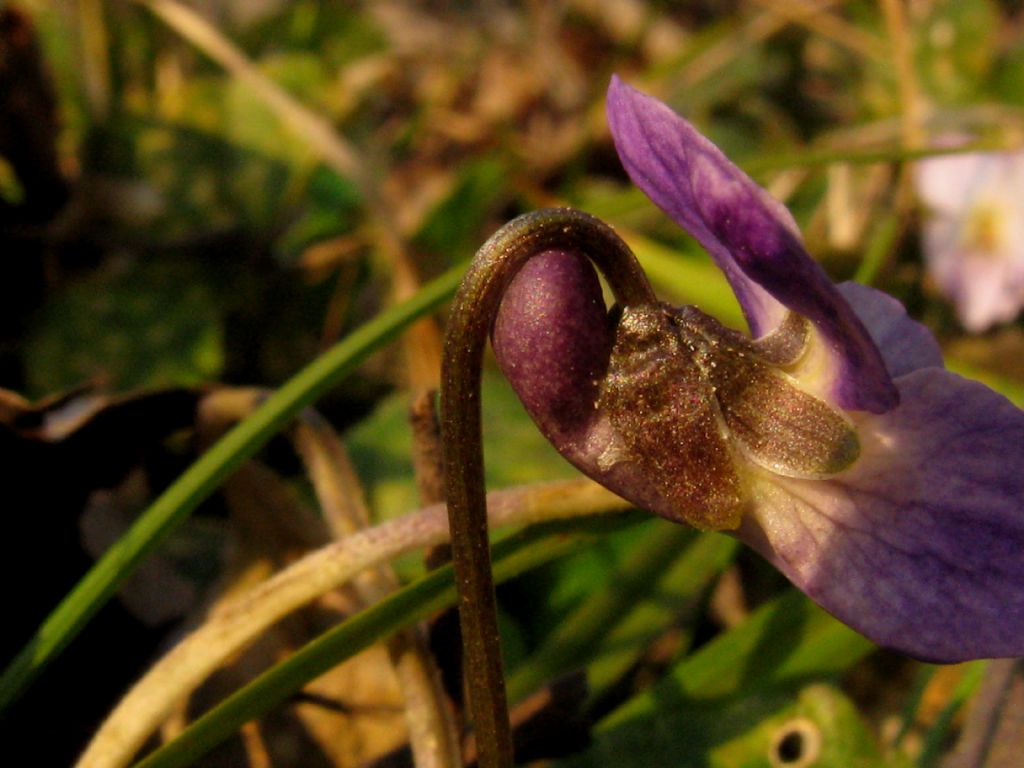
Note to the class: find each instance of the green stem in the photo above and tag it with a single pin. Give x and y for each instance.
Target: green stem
(203, 477)
(472, 315)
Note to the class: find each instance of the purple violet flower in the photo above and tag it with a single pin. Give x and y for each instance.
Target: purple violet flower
(888, 489)
(974, 233)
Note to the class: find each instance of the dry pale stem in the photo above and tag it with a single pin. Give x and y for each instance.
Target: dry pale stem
(182, 669)
(901, 43)
(432, 736)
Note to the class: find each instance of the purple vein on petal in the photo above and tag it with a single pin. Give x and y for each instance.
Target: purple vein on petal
(749, 235)
(919, 545)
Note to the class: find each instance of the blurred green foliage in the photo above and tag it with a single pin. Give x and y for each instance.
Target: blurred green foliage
(148, 325)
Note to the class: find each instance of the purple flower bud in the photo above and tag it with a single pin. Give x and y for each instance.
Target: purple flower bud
(559, 314)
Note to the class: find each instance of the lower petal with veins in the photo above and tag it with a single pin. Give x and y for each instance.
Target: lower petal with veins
(919, 546)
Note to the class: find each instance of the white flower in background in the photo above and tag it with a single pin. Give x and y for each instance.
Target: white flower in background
(974, 233)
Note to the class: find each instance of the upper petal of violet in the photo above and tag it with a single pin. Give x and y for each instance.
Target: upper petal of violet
(751, 237)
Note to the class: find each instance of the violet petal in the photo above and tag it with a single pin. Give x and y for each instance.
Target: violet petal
(905, 344)
(751, 237)
(918, 546)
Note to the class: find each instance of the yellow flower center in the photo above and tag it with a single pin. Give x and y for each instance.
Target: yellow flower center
(985, 228)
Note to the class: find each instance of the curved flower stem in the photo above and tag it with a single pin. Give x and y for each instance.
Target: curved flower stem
(472, 315)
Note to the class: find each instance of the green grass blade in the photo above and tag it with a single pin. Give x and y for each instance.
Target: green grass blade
(676, 592)
(205, 475)
(937, 737)
(606, 633)
(511, 556)
(879, 245)
(818, 157)
(787, 641)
